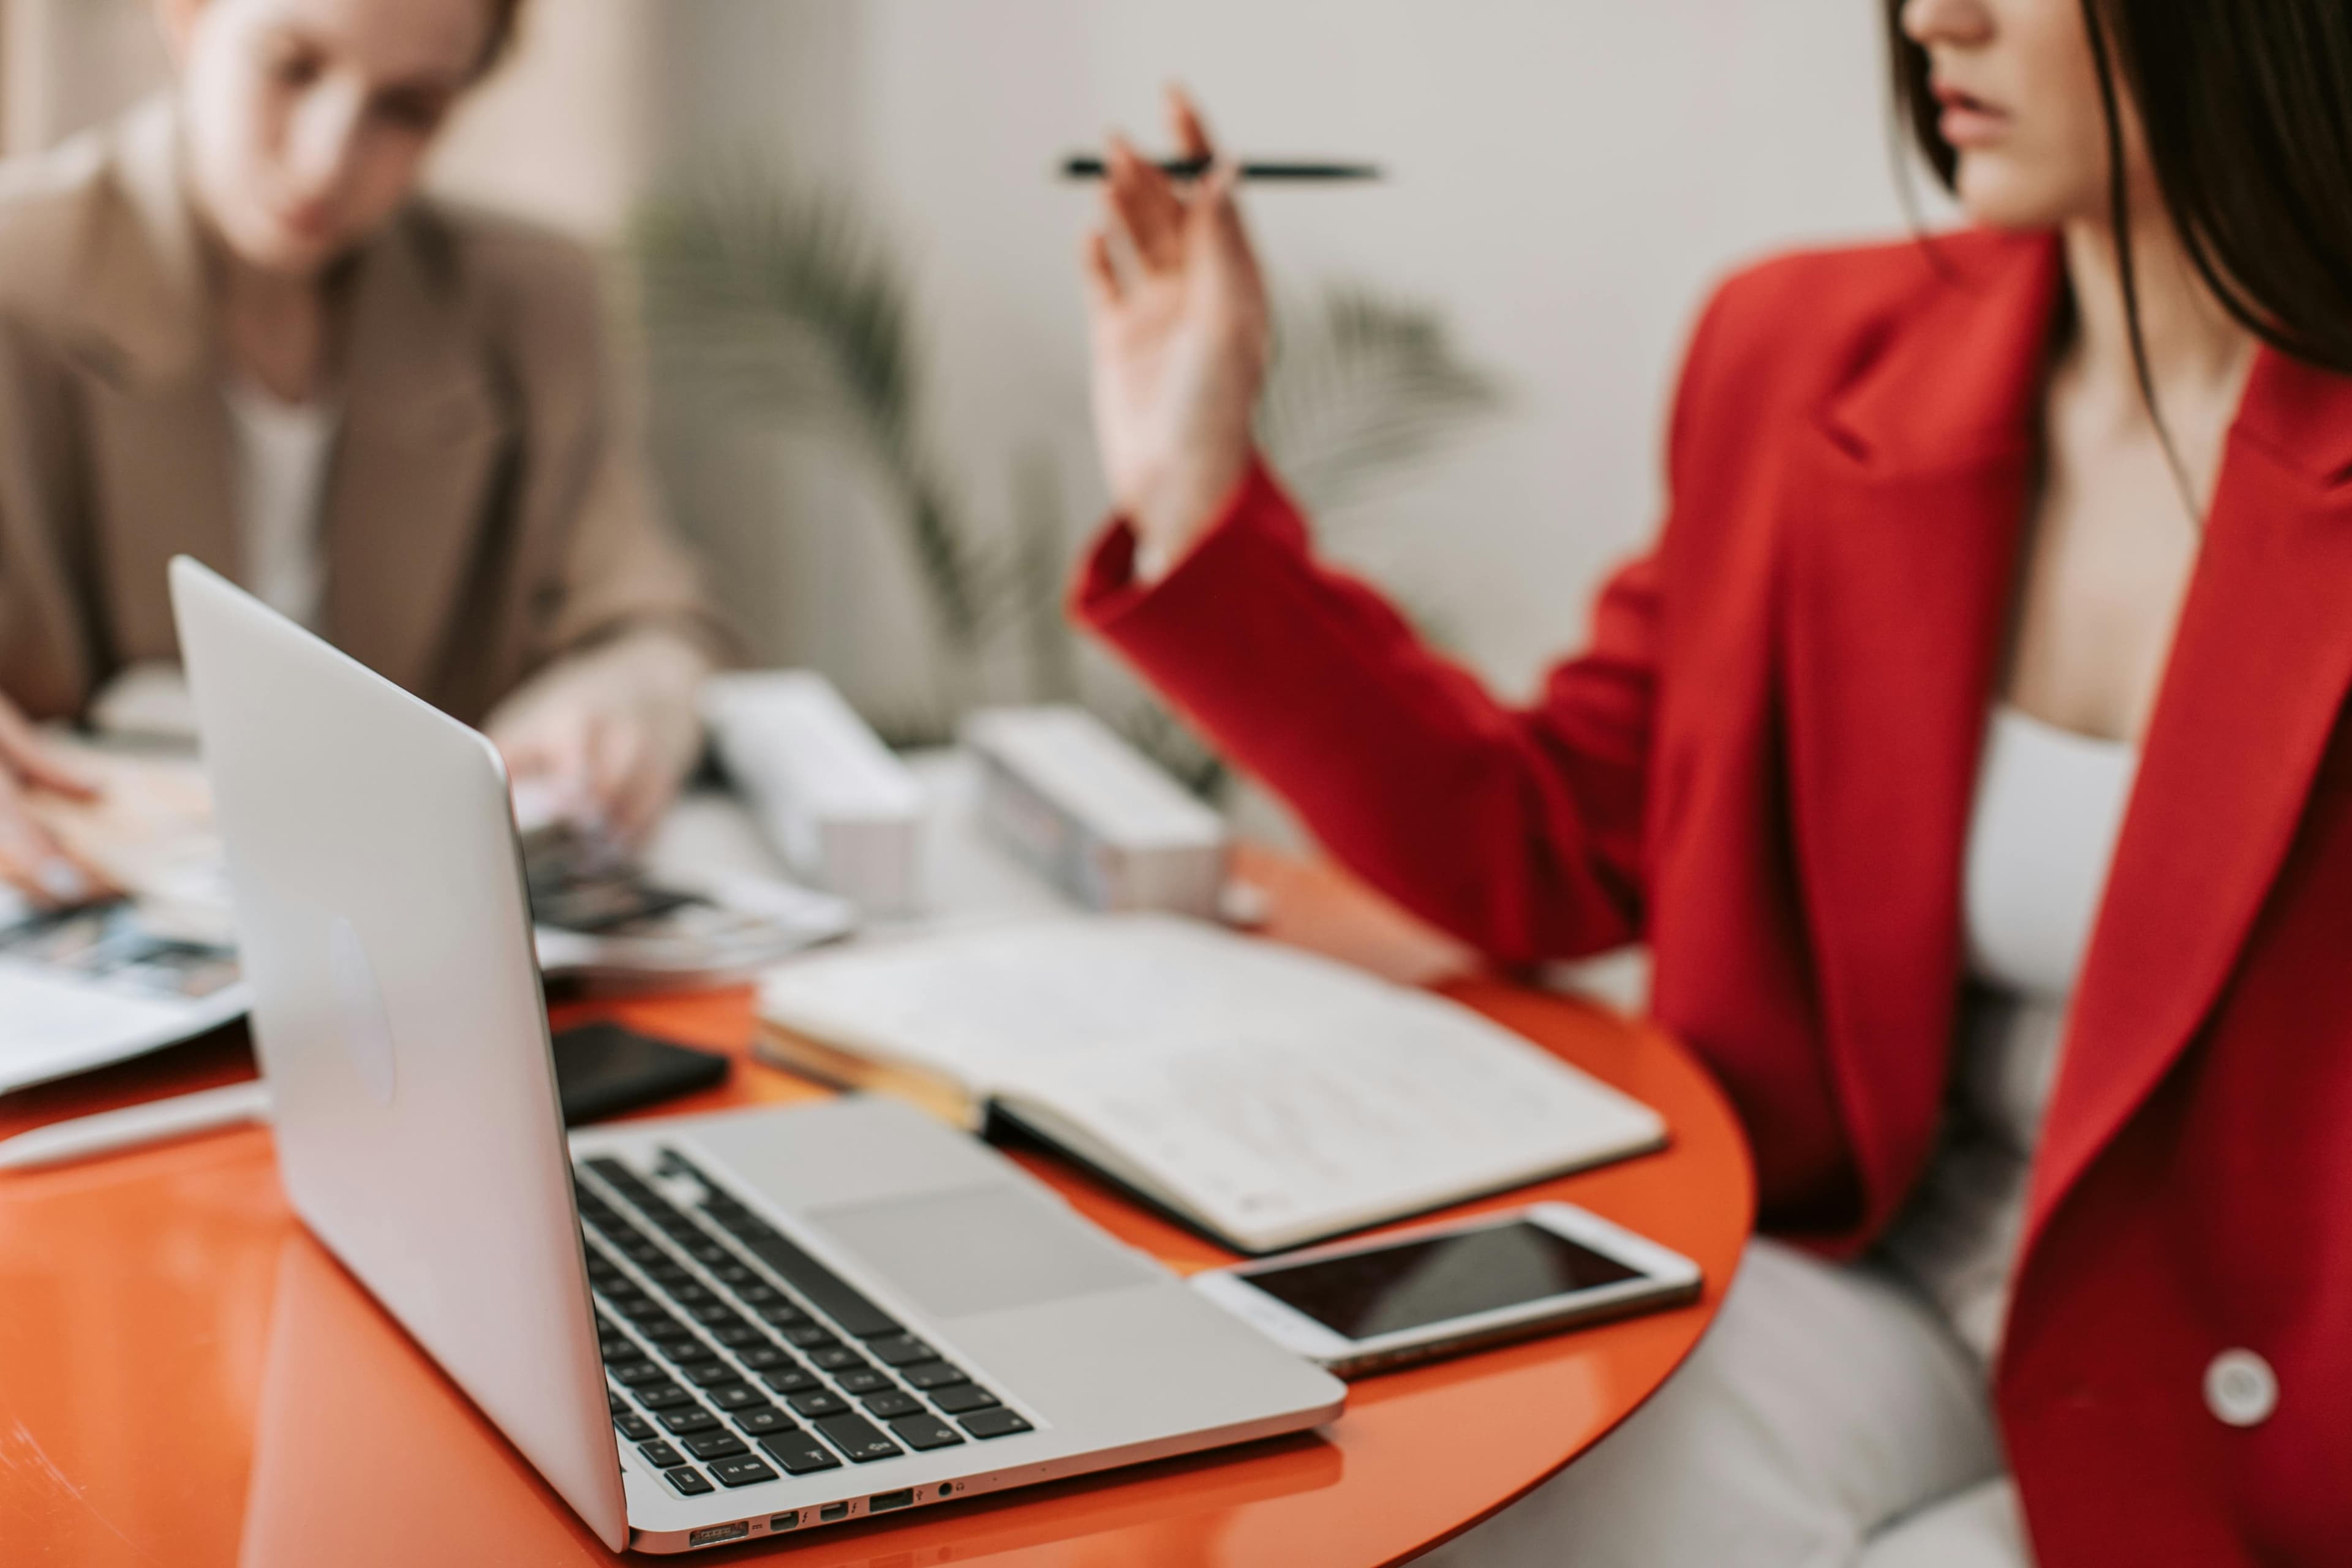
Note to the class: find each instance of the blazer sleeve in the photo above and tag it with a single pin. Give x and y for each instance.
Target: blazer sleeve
(623, 570)
(1520, 829)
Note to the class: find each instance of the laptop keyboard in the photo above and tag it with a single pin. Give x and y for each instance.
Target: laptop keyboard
(731, 1353)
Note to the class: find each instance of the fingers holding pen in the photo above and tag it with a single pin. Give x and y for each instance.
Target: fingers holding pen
(1184, 119)
(1103, 290)
(1143, 206)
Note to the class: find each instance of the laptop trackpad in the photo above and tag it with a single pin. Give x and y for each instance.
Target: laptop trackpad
(981, 1250)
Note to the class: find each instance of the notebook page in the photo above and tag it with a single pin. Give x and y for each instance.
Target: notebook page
(1269, 1091)
(986, 1004)
(1274, 1135)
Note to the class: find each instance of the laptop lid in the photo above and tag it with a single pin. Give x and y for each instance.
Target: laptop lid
(385, 929)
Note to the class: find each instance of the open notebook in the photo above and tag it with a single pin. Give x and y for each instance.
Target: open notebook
(1270, 1096)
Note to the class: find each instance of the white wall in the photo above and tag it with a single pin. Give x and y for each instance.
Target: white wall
(1566, 177)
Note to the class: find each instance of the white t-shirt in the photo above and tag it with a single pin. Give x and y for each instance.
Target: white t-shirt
(283, 452)
(2048, 807)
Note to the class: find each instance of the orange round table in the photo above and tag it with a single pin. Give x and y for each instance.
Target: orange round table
(187, 1378)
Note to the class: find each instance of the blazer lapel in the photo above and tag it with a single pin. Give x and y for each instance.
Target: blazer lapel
(161, 473)
(2261, 664)
(423, 430)
(1901, 520)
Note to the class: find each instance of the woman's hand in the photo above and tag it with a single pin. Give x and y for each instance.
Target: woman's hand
(1179, 322)
(31, 859)
(608, 734)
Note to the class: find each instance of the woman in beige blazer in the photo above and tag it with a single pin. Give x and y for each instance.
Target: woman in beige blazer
(230, 327)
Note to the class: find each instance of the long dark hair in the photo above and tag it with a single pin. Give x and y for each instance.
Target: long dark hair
(2246, 106)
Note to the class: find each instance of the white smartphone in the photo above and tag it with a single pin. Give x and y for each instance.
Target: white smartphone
(1366, 1306)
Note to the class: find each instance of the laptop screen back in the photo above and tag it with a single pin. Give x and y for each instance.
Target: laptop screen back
(385, 929)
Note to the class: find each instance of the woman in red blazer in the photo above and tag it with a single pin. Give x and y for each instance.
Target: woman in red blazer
(2086, 469)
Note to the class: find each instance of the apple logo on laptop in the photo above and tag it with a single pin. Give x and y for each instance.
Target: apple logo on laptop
(367, 1029)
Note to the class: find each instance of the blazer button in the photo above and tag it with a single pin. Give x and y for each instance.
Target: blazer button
(2241, 1389)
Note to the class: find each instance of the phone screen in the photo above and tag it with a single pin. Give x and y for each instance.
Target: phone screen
(1430, 1280)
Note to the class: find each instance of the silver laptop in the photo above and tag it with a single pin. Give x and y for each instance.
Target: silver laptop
(704, 1329)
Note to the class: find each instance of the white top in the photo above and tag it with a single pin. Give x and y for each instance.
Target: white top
(283, 450)
(2049, 804)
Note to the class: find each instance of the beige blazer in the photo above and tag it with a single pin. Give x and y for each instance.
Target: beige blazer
(486, 510)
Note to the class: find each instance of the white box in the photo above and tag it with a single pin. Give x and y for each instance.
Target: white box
(1093, 814)
(845, 812)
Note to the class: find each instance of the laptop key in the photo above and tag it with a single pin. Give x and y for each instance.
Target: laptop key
(925, 1431)
(809, 1336)
(662, 1396)
(855, 1437)
(733, 1396)
(686, 1423)
(818, 1402)
(635, 1372)
(714, 1314)
(930, 1374)
(799, 1453)
(750, 1230)
(762, 1417)
(634, 1427)
(763, 1356)
(780, 1311)
(894, 1404)
(716, 1446)
(689, 1480)
(747, 1471)
(899, 1349)
(832, 1295)
(957, 1398)
(614, 1401)
(663, 1456)
(859, 1380)
(999, 1422)
(708, 1373)
(790, 1378)
(617, 1174)
(834, 1358)
(739, 1336)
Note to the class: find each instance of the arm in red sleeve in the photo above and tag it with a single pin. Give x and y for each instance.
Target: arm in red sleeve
(1518, 829)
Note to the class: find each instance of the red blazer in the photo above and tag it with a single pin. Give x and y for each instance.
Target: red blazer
(1763, 765)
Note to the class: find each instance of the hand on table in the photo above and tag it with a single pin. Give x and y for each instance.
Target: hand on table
(609, 734)
(32, 860)
(1179, 323)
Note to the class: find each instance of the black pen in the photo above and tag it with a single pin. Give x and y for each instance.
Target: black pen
(1086, 167)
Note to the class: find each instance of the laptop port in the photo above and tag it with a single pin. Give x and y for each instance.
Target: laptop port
(712, 1534)
(785, 1520)
(882, 1502)
(833, 1511)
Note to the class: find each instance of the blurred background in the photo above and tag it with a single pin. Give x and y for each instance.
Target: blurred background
(835, 236)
